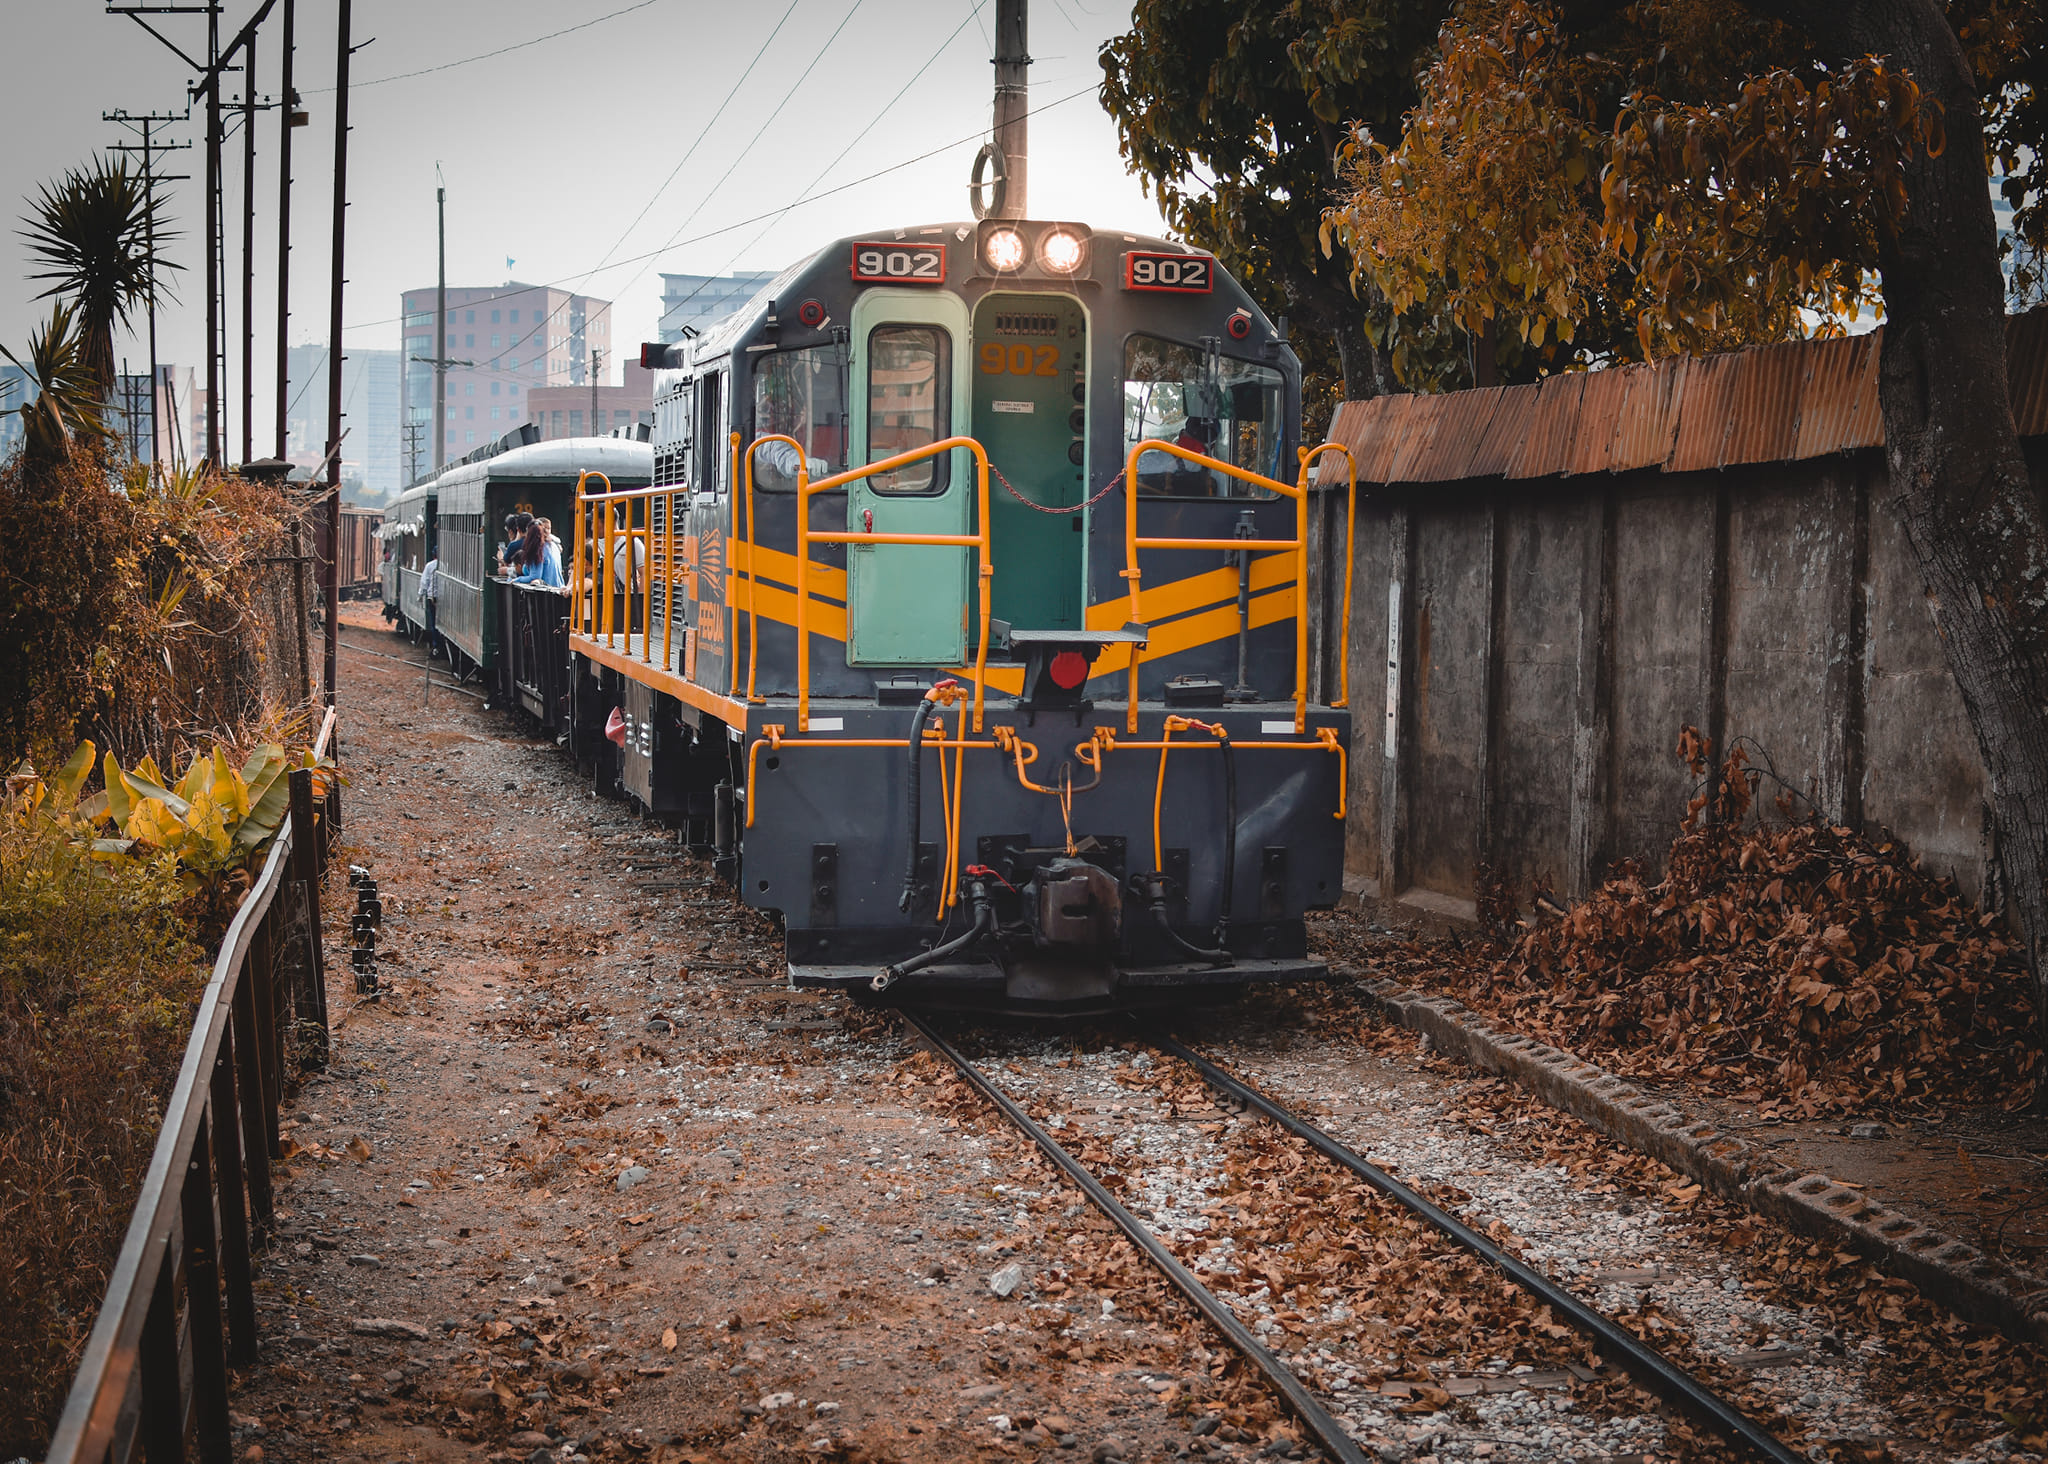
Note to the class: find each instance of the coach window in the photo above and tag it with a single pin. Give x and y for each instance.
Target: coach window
(1209, 403)
(910, 372)
(800, 394)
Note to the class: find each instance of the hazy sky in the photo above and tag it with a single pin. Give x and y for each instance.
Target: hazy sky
(556, 154)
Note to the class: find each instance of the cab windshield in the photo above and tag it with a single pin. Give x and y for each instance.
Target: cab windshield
(1206, 402)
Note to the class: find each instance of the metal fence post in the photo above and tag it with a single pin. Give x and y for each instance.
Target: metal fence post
(306, 868)
(234, 1218)
(202, 1303)
(162, 1424)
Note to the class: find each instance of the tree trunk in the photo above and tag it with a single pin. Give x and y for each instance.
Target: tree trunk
(1977, 527)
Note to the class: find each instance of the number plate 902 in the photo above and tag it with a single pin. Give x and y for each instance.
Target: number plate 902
(1173, 274)
(885, 263)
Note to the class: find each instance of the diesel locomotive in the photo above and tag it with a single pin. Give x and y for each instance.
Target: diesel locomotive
(963, 612)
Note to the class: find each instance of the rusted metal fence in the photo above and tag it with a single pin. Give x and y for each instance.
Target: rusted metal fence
(181, 1307)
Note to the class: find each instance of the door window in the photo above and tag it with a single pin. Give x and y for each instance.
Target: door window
(910, 374)
(1209, 403)
(713, 458)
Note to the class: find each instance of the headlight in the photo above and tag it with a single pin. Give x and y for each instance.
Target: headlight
(1061, 252)
(1004, 250)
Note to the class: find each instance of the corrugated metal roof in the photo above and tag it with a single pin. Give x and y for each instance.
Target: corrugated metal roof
(1802, 399)
(2026, 369)
(1649, 418)
(1455, 442)
(1592, 443)
(1504, 429)
(1763, 404)
(1547, 437)
(1838, 399)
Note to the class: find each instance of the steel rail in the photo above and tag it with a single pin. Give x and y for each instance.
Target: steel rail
(1328, 1432)
(1648, 1366)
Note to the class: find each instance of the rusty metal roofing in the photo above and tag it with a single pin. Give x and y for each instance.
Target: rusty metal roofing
(1592, 443)
(1502, 439)
(1779, 403)
(1763, 405)
(1547, 438)
(1648, 423)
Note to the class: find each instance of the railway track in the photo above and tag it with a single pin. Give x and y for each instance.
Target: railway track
(1644, 1364)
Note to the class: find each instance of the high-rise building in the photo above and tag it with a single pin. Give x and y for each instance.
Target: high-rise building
(701, 301)
(508, 340)
(371, 454)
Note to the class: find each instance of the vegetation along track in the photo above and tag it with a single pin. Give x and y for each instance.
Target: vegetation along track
(1644, 1363)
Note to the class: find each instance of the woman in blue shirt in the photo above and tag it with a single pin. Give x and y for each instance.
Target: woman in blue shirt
(542, 557)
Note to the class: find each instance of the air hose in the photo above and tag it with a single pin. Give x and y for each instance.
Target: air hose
(984, 924)
(913, 789)
(1152, 889)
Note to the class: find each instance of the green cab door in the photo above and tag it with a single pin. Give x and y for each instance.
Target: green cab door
(1030, 391)
(907, 603)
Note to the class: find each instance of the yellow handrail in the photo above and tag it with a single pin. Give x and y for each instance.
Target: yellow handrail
(1299, 544)
(1308, 459)
(805, 538)
(753, 621)
(576, 550)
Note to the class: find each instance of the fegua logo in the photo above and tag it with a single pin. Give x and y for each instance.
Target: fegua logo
(711, 591)
(711, 566)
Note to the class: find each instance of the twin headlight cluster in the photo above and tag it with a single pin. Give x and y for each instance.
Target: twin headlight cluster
(1013, 247)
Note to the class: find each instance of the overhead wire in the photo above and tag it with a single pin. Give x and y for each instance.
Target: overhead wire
(488, 55)
(738, 224)
(824, 172)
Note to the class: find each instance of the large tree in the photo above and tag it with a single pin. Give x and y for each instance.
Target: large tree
(1603, 181)
(1236, 113)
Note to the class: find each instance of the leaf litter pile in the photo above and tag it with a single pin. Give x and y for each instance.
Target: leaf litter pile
(1795, 960)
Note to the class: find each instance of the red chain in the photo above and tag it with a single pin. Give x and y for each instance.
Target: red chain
(1107, 488)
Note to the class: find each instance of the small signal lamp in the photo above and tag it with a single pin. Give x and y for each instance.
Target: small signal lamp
(1239, 325)
(1004, 250)
(811, 313)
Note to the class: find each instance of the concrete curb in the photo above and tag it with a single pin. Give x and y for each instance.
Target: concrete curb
(1952, 1272)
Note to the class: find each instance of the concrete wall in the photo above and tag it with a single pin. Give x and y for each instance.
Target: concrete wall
(1554, 635)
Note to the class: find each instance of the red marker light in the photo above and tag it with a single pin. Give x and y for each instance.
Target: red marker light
(1068, 670)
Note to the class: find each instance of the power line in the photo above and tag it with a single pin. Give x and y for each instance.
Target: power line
(825, 172)
(487, 55)
(709, 234)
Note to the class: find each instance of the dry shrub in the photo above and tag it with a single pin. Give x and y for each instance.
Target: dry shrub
(149, 612)
(1788, 959)
(97, 985)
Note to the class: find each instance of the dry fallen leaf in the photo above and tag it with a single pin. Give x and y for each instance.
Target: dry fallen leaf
(668, 1339)
(359, 1148)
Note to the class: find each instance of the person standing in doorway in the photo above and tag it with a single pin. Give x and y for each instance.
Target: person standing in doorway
(430, 591)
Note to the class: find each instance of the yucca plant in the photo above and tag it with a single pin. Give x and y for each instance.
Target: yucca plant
(100, 236)
(69, 405)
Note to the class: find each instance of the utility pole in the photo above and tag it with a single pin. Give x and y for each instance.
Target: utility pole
(150, 147)
(290, 117)
(249, 249)
(1013, 105)
(596, 358)
(213, 141)
(334, 360)
(412, 431)
(441, 342)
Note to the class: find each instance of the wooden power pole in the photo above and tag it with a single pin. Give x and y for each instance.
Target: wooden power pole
(332, 596)
(1013, 103)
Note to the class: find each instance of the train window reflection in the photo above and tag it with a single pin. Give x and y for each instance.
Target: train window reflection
(1217, 405)
(909, 403)
(800, 394)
